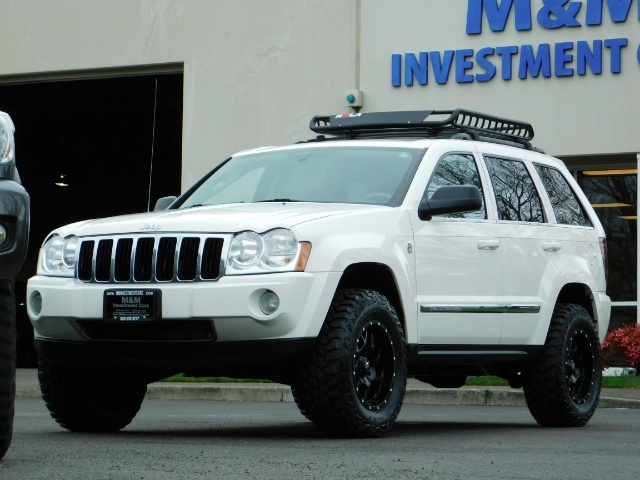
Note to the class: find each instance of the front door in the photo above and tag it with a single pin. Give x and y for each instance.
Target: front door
(458, 265)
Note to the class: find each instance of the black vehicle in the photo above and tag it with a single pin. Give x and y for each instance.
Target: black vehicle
(14, 235)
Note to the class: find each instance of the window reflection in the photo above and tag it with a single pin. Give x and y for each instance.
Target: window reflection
(566, 206)
(456, 169)
(516, 194)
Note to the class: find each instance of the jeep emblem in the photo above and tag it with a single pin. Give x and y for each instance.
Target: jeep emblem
(151, 227)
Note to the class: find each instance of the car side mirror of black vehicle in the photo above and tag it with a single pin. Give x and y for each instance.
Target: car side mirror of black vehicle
(163, 203)
(451, 199)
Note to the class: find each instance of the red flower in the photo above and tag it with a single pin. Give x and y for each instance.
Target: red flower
(625, 340)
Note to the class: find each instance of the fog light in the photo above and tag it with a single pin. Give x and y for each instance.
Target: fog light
(3, 234)
(35, 303)
(269, 302)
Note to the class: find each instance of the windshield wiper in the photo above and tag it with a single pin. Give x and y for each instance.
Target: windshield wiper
(277, 200)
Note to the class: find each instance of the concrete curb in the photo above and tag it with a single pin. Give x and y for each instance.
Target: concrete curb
(607, 402)
(273, 392)
(221, 392)
(464, 396)
(413, 396)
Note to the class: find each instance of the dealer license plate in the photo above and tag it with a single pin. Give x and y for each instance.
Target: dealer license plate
(129, 305)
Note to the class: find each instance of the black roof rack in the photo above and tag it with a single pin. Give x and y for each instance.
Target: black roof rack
(457, 123)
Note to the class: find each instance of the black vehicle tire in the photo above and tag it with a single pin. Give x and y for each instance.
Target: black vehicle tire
(354, 381)
(563, 386)
(7, 363)
(90, 400)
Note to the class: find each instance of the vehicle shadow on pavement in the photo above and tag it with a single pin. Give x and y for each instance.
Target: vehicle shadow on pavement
(309, 431)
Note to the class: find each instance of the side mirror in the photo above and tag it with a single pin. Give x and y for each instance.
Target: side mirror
(7, 159)
(163, 203)
(451, 199)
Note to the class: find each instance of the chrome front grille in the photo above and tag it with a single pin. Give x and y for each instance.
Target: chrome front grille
(149, 258)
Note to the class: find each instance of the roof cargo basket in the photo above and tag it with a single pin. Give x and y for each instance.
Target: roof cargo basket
(427, 123)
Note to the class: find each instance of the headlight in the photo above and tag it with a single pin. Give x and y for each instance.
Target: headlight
(280, 248)
(274, 251)
(58, 256)
(6, 139)
(245, 250)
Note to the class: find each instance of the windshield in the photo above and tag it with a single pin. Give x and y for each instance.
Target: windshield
(353, 174)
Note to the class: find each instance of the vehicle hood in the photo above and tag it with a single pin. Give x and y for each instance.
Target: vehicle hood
(230, 218)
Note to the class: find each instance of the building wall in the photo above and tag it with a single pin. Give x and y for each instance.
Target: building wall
(571, 115)
(257, 70)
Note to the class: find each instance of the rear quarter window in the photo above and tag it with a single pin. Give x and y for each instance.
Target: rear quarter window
(516, 195)
(566, 206)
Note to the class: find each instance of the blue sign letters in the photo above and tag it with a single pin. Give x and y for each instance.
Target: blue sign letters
(553, 14)
(562, 59)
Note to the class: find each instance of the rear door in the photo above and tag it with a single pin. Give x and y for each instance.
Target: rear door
(527, 244)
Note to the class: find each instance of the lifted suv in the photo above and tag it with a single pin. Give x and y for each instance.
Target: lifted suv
(430, 244)
(14, 234)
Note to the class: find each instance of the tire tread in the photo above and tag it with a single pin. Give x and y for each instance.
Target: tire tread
(545, 391)
(7, 363)
(321, 390)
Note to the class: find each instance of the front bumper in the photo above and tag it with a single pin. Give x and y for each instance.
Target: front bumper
(14, 217)
(211, 358)
(72, 312)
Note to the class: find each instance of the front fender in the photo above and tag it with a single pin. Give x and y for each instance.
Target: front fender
(14, 217)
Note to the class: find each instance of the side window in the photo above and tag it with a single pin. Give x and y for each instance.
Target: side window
(456, 169)
(566, 206)
(516, 194)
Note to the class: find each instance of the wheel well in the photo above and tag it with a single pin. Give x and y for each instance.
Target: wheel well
(579, 294)
(374, 276)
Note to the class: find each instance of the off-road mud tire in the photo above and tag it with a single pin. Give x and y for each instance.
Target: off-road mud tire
(562, 388)
(354, 381)
(7, 363)
(88, 399)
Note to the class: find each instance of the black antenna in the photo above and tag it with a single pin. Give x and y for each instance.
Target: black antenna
(153, 141)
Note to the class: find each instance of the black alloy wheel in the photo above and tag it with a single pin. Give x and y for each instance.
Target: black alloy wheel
(373, 366)
(580, 366)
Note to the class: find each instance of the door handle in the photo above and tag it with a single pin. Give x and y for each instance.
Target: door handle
(491, 244)
(551, 246)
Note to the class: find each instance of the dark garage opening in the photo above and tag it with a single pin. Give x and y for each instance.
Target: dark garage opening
(90, 148)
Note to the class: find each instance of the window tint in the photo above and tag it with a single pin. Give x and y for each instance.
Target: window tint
(566, 206)
(456, 169)
(516, 194)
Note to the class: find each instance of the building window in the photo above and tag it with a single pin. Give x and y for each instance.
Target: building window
(613, 194)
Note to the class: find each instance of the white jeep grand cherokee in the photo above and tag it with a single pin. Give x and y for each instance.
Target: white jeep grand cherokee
(428, 244)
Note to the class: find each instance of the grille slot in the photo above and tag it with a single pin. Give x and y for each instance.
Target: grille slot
(143, 260)
(134, 259)
(122, 267)
(103, 260)
(166, 258)
(85, 267)
(188, 265)
(211, 258)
